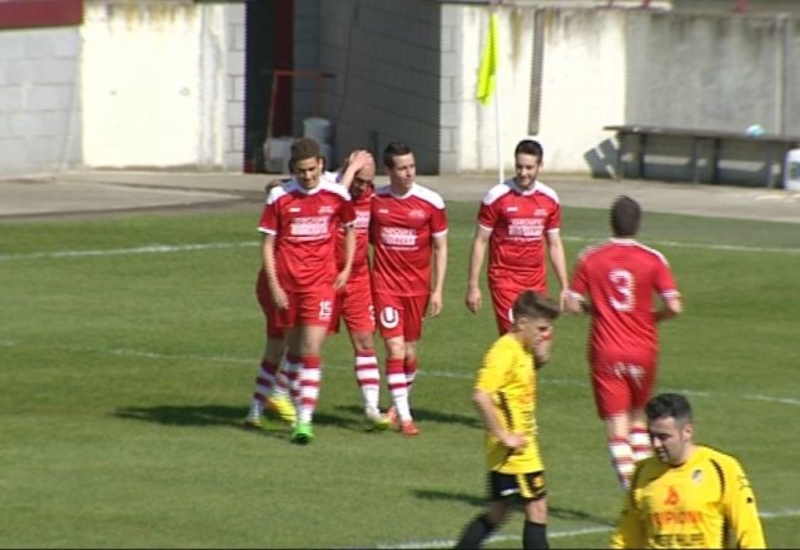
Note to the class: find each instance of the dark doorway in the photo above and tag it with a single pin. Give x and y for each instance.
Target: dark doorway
(268, 47)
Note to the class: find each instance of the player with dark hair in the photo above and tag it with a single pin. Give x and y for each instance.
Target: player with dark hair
(621, 278)
(299, 225)
(688, 495)
(408, 232)
(519, 221)
(506, 397)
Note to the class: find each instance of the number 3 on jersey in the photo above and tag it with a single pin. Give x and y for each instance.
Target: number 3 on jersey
(623, 283)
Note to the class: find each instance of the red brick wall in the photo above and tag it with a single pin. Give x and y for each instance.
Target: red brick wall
(40, 13)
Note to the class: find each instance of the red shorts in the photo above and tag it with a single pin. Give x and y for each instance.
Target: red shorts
(353, 305)
(400, 315)
(313, 307)
(622, 385)
(503, 299)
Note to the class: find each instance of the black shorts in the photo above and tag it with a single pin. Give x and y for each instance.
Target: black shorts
(530, 486)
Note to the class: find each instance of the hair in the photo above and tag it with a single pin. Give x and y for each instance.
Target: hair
(626, 216)
(669, 404)
(302, 149)
(533, 305)
(530, 147)
(394, 149)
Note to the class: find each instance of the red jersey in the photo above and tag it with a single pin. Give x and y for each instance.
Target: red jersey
(305, 223)
(621, 277)
(519, 221)
(402, 229)
(360, 271)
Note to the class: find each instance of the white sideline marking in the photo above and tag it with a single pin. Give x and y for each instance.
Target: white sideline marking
(151, 249)
(123, 352)
(161, 249)
(442, 543)
(784, 400)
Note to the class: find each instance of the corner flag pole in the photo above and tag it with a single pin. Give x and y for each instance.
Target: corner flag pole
(488, 82)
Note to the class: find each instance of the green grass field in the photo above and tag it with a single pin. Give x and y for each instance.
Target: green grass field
(128, 349)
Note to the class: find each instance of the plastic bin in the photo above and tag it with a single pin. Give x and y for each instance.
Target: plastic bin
(319, 129)
(277, 154)
(791, 172)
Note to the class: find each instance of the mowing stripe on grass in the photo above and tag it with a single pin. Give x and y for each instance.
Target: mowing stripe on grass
(163, 248)
(442, 543)
(122, 352)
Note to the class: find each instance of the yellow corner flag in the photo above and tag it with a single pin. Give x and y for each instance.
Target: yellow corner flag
(486, 73)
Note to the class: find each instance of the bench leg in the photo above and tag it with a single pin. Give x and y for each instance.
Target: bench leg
(641, 155)
(695, 154)
(620, 155)
(715, 155)
(770, 162)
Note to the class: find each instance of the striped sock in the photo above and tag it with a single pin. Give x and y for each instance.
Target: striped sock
(292, 370)
(640, 443)
(281, 386)
(621, 459)
(368, 376)
(265, 381)
(410, 368)
(396, 379)
(310, 377)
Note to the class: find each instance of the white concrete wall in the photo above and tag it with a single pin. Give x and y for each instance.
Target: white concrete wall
(583, 86)
(477, 129)
(163, 85)
(40, 126)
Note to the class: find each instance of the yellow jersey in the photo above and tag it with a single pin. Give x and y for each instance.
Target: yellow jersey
(707, 502)
(509, 376)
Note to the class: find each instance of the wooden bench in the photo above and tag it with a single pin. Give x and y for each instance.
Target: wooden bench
(771, 142)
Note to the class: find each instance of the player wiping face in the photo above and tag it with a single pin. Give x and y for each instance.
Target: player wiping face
(535, 334)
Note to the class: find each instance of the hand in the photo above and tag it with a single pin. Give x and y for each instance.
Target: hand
(435, 305)
(473, 299)
(359, 159)
(542, 349)
(515, 442)
(279, 298)
(563, 297)
(341, 280)
(273, 183)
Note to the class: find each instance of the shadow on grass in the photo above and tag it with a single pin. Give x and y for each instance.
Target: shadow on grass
(218, 415)
(421, 415)
(480, 501)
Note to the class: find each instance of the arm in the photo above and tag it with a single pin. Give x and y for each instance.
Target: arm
(355, 162)
(479, 245)
(483, 402)
(439, 270)
(741, 512)
(349, 254)
(274, 183)
(555, 250)
(268, 257)
(576, 304)
(673, 306)
(630, 530)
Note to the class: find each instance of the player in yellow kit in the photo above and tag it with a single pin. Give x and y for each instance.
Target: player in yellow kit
(688, 495)
(505, 395)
